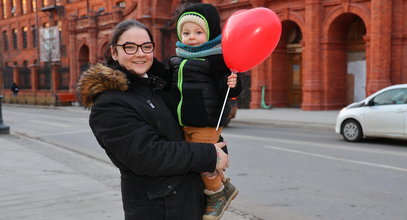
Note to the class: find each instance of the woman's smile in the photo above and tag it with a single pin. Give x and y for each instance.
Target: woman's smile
(139, 62)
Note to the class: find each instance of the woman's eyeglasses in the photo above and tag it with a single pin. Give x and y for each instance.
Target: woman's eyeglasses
(132, 48)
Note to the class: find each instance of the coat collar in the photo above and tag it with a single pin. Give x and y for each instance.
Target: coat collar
(99, 78)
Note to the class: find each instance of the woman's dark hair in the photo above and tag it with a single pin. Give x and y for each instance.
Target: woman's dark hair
(118, 31)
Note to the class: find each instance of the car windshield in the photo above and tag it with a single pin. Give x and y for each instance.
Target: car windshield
(394, 96)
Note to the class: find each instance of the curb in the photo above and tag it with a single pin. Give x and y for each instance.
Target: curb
(285, 124)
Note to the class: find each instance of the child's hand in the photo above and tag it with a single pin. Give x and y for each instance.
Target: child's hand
(232, 80)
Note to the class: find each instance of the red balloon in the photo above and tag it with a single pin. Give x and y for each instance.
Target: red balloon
(249, 37)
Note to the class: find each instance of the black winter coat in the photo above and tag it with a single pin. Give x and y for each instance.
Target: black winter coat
(159, 172)
(198, 90)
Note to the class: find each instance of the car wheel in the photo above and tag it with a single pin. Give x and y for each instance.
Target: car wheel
(352, 131)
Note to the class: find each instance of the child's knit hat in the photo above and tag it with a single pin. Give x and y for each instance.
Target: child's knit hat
(204, 15)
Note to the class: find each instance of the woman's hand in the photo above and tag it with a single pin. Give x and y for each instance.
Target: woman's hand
(232, 80)
(223, 160)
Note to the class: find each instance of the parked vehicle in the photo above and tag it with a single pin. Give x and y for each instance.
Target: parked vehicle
(233, 109)
(382, 114)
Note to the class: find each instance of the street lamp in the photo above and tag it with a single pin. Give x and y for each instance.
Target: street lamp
(1, 65)
(4, 129)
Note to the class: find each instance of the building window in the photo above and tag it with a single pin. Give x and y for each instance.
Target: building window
(60, 31)
(121, 4)
(15, 39)
(7, 76)
(25, 76)
(44, 76)
(25, 30)
(24, 6)
(34, 35)
(44, 3)
(5, 40)
(3, 4)
(13, 7)
(34, 5)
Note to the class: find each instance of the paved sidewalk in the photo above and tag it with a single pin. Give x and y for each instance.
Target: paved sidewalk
(35, 186)
(287, 117)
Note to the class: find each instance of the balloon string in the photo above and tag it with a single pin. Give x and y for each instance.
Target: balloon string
(224, 103)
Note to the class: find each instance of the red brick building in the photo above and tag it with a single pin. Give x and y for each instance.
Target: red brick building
(331, 52)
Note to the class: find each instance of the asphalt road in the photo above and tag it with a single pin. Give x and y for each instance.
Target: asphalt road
(282, 173)
(304, 174)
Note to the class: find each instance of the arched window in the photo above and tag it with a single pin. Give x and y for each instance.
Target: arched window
(24, 33)
(34, 5)
(121, 4)
(7, 76)
(15, 39)
(24, 76)
(60, 31)
(44, 3)
(34, 35)
(5, 37)
(13, 7)
(24, 6)
(3, 4)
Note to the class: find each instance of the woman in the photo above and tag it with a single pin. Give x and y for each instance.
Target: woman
(159, 171)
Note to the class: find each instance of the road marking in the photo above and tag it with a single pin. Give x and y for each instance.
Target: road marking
(64, 133)
(51, 123)
(313, 144)
(339, 159)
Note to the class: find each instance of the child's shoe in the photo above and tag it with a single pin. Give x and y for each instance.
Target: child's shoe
(230, 191)
(216, 206)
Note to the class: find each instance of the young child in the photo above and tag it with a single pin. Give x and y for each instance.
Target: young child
(199, 85)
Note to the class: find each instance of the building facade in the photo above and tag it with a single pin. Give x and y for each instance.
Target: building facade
(331, 52)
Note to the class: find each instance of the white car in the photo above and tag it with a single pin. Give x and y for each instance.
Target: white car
(382, 114)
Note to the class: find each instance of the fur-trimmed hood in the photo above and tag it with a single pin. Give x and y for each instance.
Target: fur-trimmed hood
(97, 79)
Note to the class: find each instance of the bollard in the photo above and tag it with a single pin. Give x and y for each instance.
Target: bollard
(4, 129)
(263, 95)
